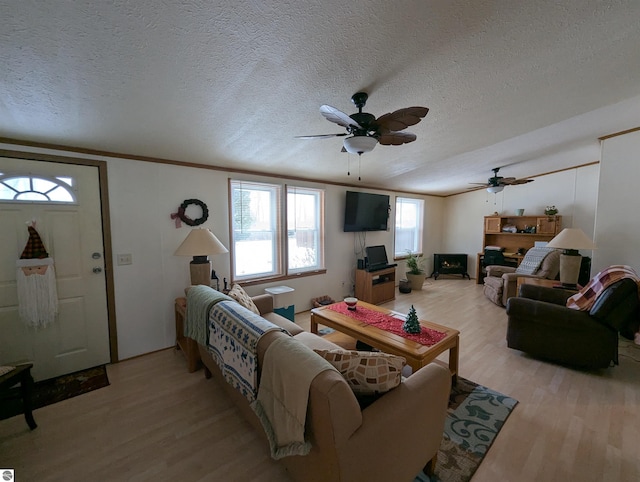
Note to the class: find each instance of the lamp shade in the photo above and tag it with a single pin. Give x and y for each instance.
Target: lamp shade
(571, 238)
(495, 189)
(360, 144)
(200, 242)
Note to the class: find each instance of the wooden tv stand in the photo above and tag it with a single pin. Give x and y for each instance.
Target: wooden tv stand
(376, 287)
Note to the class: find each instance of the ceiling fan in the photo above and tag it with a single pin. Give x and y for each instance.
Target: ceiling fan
(366, 131)
(497, 183)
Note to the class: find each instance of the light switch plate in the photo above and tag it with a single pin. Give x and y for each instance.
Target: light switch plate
(124, 259)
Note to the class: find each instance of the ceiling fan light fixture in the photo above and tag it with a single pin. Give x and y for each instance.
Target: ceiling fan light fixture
(360, 144)
(495, 189)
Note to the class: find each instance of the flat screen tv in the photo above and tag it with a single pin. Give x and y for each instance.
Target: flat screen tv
(366, 212)
(377, 256)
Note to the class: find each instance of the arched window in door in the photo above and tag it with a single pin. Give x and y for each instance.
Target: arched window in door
(36, 189)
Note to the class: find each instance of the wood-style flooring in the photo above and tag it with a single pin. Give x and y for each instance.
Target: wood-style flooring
(156, 422)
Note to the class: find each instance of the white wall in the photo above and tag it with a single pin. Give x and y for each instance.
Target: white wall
(573, 192)
(617, 231)
(142, 197)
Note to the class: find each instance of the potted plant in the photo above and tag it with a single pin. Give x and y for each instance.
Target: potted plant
(415, 271)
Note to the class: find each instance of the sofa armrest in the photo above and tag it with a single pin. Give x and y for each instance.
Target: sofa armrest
(264, 303)
(402, 430)
(556, 296)
(498, 270)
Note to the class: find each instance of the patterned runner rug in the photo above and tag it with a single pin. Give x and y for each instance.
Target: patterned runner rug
(475, 416)
(54, 390)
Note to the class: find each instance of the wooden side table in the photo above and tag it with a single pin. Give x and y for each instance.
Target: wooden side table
(188, 346)
(524, 280)
(547, 283)
(22, 375)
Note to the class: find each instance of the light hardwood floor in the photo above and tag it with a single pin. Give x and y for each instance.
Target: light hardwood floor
(157, 422)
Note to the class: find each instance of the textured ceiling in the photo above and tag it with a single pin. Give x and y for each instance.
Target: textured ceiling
(524, 84)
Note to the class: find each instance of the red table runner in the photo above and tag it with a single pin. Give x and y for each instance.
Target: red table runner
(427, 336)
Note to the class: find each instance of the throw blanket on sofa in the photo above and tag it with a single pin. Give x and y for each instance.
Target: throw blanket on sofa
(288, 369)
(234, 332)
(587, 296)
(200, 299)
(532, 260)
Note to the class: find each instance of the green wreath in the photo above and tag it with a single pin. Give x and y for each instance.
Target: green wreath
(186, 219)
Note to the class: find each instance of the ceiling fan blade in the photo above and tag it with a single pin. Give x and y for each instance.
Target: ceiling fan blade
(322, 136)
(396, 138)
(520, 181)
(334, 115)
(402, 118)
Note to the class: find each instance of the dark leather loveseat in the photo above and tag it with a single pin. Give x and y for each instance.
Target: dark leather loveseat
(540, 324)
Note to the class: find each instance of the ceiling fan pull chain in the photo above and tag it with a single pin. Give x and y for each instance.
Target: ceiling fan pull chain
(359, 161)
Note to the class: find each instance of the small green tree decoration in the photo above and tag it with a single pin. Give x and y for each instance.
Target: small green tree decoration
(411, 324)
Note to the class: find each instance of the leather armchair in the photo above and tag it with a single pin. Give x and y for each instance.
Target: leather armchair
(500, 284)
(539, 323)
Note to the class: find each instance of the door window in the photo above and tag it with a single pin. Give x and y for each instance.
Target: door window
(36, 189)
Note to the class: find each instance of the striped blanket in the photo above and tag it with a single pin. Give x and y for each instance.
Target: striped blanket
(200, 299)
(533, 259)
(587, 296)
(234, 332)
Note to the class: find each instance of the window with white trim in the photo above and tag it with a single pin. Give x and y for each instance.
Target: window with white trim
(304, 229)
(36, 189)
(408, 228)
(261, 219)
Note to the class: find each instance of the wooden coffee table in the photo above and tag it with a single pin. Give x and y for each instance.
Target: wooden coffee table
(417, 355)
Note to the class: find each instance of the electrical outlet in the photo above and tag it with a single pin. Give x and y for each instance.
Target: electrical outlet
(124, 259)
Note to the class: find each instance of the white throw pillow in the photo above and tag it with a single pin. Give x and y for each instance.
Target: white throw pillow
(241, 296)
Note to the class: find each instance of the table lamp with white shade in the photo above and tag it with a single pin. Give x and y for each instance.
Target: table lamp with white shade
(200, 243)
(570, 240)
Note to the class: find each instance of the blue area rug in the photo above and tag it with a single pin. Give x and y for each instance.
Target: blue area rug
(475, 416)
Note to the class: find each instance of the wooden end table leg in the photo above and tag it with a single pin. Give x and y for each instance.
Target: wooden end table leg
(454, 354)
(314, 325)
(26, 387)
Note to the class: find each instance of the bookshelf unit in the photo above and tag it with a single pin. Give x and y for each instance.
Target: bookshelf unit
(546, 228)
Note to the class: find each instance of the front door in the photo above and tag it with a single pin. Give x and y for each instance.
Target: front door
(70, 227)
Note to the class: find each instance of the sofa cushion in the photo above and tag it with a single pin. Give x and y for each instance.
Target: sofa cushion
(366, 372)
(241, 296)
(282, 322)
(315, 342)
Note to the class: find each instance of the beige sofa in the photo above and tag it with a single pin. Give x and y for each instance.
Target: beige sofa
(500, 283)
(393, 438)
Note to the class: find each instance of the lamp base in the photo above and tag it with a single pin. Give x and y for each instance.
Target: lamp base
(200, 271)
(570, 270)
